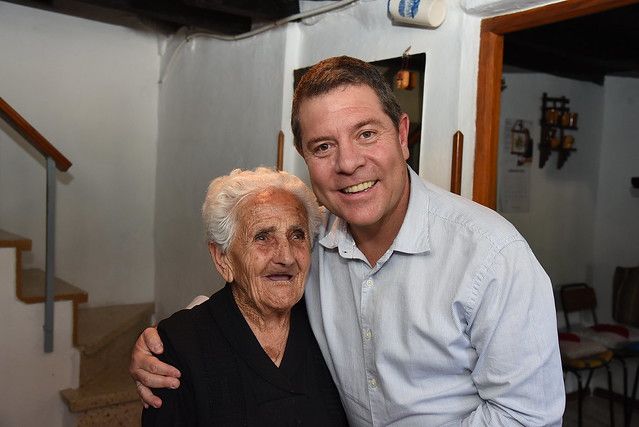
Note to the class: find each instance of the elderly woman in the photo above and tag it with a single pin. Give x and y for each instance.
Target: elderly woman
(248, 356)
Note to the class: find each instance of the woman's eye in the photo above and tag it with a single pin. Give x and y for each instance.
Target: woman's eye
(299, 235)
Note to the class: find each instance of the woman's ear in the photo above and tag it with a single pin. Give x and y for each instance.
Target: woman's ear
(221, 261)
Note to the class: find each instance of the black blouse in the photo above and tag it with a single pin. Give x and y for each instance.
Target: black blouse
(228, 379)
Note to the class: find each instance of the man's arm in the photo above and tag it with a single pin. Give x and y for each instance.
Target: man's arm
(513, 328)
(148, 371)
(177, 407)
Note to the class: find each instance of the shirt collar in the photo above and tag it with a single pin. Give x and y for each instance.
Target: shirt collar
(413, 236)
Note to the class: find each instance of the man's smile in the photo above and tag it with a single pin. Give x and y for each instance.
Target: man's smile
(357, 188)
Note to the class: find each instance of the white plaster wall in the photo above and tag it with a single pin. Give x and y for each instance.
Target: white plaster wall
(91, 89)
(222, 104)
(583, 218)
(616, 235)
(560, 224)
(363, 30)
(220, 109)
(32, 379)
(582, 222)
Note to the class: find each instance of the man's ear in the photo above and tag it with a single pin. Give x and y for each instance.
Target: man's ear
(222, 262)
(404, 124)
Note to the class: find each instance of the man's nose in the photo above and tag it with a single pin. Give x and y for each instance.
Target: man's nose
(349, 158)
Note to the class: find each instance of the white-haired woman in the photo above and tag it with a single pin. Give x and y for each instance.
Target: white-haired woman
(247, 355)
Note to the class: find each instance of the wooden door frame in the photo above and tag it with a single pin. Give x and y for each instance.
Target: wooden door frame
(491, 55)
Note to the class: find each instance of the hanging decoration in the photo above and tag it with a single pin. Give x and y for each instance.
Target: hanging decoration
(521, 143)
(404, 78)
(556, 121)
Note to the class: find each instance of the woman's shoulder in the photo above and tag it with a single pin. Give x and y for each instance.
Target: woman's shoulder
(187, 323)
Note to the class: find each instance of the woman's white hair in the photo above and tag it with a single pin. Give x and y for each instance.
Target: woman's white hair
(219, 211)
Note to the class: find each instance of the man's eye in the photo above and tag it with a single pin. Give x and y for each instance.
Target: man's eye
(261, 236)
(367, 134)
(321, 147)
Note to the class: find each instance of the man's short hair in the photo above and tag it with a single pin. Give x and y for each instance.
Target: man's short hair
(340, 71)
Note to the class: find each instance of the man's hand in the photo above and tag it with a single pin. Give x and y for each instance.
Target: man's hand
(147, 371)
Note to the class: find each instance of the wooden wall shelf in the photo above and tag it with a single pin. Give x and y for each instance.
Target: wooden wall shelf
(556, 119)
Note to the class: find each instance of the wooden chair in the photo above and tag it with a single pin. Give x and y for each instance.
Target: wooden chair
(579, 352)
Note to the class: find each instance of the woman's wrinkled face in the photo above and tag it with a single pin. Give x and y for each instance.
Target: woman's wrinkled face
(269, 256)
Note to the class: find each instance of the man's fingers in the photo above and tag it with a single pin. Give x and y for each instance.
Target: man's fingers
(151, 340)
(145, 367)
(148, 398)
(156, 374)
(149, 372)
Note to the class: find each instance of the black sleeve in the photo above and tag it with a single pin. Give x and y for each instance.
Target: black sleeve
(178, 407)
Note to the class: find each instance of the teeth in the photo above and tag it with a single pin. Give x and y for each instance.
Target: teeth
(280, 277)
(359, 187)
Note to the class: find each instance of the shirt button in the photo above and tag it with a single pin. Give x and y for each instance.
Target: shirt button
(368, 334)
(368, 283)
(372, 382)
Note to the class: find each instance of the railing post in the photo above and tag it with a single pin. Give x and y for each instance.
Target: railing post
(50, 259)
(54, 159)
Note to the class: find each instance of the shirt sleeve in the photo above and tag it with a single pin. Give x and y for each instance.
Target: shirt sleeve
(197, 301)
(178, 407)
(513, 328)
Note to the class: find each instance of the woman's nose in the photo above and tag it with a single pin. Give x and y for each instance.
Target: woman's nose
(283, 254)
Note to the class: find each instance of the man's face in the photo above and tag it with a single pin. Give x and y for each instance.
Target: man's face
(356, 156)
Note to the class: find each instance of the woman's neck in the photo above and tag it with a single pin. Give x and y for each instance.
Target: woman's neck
(271, 329)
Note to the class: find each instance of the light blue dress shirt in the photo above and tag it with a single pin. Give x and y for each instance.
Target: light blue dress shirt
(454, 325)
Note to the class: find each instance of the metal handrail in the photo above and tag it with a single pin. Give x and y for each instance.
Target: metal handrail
(54, 159)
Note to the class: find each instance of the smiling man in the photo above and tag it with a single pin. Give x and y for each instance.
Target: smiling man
(356, 156)
(429, 309)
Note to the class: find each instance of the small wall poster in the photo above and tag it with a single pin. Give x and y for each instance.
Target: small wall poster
(515, 158)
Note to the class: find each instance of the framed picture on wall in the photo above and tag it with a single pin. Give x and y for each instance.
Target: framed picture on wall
(519, 139)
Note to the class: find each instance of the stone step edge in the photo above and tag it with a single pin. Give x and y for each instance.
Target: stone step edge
(85, 398)
(144, 313)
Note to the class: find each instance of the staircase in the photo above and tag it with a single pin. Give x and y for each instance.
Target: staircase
(107, 395)
(103, 337)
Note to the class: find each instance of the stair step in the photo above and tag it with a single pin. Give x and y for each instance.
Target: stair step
(105, 338)
(111, 388)
(10, 240)
(32, 290)
(123, 414)
(98, 326)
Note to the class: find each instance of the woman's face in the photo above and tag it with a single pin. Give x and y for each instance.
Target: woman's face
(269, 256)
